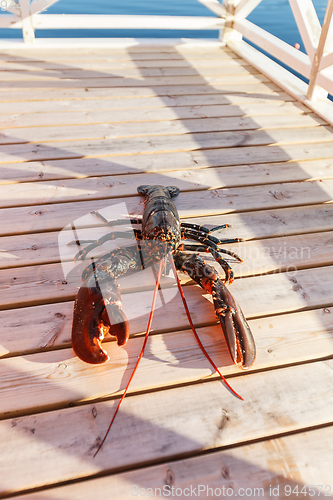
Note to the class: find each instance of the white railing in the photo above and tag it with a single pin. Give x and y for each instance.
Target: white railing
(316, 65)
(317, 39)
(27, 17)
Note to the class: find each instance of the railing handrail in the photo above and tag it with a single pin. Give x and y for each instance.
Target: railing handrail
(26, 16)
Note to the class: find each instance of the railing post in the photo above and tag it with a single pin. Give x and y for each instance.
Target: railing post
(27, 27)
(315, 92)
(244, 7)
(229, 34)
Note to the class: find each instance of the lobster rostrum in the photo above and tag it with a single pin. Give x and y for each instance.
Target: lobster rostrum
(97, 309)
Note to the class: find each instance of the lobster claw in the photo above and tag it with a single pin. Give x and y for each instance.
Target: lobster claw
(97, 311)
(236, 330)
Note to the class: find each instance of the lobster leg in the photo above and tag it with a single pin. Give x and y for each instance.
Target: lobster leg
(203, 237)
(107, 237)
(229, 274)
(236, 330)
(203, 229)
(117, 222)
(207, 249)
(208, 242)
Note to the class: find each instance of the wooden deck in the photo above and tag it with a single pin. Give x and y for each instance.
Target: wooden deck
(80, 131)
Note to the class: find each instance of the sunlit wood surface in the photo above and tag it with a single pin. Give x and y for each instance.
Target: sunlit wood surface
(80, 131)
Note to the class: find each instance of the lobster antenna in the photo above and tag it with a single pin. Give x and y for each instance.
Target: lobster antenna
(94, 270)
(159, 288)
(140, 355)
(195, 333)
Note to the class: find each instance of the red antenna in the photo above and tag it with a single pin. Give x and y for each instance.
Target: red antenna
(140, 355)
(194, 330)
(146, 339)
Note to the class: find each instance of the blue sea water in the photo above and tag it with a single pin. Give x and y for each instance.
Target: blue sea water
(273, 15)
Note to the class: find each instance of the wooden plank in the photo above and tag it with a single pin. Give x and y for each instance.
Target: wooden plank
(120, 46)
(72, 83)
(260, 257)
(77, 74)
(52, 324)
(114, 186)
(43, 107)
(43, 284)
(37, 218)
(15, 94)
(268, 223)
(44, 456)
(50, 380)
(115, 56)
(276, 254)
(109, 146)
(133, 54)
(126, 63)
(42, 248)
(253, 158)
(74, 117)
(155, 128)
(81, 54)
(277, 466)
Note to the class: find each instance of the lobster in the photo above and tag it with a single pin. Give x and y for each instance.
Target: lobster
(97, 309)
